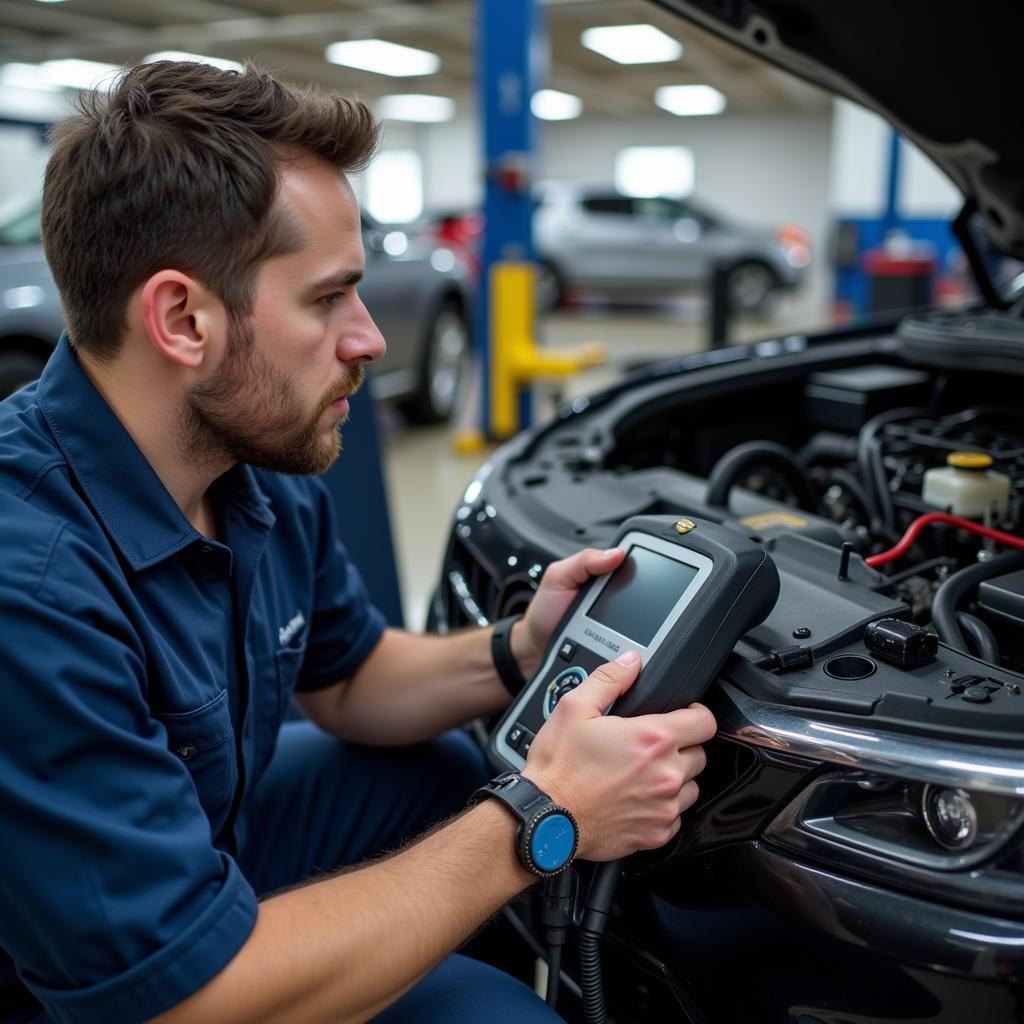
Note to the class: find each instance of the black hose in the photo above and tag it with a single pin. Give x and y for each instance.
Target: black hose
(828, 448)
(958, 586)
(554, 974)
(737, 460)
(594, 1011)
(596, 909)
(871, 466)
(980, 636)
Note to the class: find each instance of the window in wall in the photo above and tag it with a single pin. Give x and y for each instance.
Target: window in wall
(654, 170)
(394, 186)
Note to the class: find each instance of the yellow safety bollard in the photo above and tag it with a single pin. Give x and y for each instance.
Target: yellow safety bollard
(516, 361)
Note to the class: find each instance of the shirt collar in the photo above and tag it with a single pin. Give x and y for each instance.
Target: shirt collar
(124, 490)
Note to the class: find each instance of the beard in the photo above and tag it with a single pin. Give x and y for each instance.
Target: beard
(251, 412)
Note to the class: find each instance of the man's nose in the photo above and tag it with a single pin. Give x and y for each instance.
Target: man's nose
(361, 340)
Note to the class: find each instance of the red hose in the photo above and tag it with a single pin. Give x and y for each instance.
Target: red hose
(940, 517)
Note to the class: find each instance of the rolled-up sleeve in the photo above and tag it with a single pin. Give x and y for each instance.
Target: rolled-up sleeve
(116, 905)
(345, 626)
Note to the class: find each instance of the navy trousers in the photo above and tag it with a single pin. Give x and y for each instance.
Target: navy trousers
(324, 804)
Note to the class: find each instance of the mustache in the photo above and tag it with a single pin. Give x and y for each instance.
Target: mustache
(349, 387)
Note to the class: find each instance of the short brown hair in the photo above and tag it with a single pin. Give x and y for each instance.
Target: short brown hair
(177, 168)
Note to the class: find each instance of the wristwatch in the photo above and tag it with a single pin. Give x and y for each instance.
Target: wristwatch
(547, 836)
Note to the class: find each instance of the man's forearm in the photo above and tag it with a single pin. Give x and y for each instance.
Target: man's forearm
(343, 949)
(412, 688)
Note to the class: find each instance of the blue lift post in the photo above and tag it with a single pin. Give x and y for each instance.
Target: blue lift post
(509, 47)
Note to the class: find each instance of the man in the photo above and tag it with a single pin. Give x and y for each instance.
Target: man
(170, 579)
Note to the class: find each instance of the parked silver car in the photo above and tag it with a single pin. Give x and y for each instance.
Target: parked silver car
(420, 293)
(622, 246)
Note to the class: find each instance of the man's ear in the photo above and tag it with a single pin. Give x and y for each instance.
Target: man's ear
(182, 318)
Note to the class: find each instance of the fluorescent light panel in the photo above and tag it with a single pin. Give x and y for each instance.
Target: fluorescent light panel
(197, 58)
(632, 44)
(383, 58)
(415, 106)
(552, 105)
(51, 75)
(690, 100)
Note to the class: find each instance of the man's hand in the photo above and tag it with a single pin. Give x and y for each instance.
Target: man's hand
(626, 780)
(558, 588)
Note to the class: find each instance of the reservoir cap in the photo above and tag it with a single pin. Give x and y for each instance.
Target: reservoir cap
(969, 460)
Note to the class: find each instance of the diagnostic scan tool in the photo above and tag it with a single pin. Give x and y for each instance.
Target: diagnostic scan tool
(686, 591)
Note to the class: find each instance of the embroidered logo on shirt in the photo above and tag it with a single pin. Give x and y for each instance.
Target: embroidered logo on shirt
(285, 633)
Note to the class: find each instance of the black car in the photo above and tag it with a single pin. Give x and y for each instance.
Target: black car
(856, 854)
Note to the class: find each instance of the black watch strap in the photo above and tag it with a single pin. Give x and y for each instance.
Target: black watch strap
(531, 805)
(505, 663)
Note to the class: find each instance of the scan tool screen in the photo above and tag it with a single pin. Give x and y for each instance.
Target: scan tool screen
(641, 593)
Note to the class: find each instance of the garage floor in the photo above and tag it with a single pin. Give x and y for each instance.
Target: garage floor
(425, 477)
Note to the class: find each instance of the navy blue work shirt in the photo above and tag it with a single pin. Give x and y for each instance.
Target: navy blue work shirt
(145, 672)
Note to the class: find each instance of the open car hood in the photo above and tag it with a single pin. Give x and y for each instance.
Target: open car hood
(942, 73)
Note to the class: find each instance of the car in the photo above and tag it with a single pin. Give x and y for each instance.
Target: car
(642, 247)
(419, 292)
(856, 852)
(600, 242)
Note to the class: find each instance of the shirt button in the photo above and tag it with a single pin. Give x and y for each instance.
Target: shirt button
(186, 752)
(206, 549)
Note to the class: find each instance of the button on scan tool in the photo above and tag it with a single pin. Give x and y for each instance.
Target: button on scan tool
(561, 685)
(567, 651)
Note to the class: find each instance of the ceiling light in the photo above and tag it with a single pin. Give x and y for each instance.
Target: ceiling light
(383, 58)
(632, 44)
(73, 73)
(552, 105)
(195, 58)
(26, 76)
(415, 106)
(690, 100)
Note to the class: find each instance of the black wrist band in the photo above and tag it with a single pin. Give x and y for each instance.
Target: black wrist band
(505, 663)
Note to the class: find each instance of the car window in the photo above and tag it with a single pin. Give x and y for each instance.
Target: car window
(660, 209)
(617, 205)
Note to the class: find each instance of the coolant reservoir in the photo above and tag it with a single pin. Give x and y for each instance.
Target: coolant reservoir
(967, 486)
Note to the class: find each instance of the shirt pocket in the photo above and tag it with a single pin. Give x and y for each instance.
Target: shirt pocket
(270, 701)
(202, 740)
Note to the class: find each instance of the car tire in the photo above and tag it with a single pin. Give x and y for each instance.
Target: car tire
(444, 364)
(753, 288)
(18, 368)
(549, 287)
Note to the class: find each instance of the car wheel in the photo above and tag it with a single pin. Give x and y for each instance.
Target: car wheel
(549, 288)
(18, 369)
(443, 366)
(753, 288)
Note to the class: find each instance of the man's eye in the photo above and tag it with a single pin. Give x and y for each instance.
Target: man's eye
(330, 300)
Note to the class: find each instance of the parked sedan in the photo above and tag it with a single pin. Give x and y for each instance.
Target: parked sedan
(628, 247)
(419, 292)
(649, 247)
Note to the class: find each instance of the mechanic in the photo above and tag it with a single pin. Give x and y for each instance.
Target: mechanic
(171, 577)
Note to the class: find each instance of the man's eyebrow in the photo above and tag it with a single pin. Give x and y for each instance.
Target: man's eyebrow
(342, 279)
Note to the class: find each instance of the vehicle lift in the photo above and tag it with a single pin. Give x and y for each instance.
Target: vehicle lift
(509, 45)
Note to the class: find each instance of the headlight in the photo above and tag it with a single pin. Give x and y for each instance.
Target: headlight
(943, 828)
(950, 816)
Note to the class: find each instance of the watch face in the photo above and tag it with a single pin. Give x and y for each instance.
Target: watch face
(552, 842)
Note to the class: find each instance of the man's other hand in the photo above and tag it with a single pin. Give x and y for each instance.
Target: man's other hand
(561, 582)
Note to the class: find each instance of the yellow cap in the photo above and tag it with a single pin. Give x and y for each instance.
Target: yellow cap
(969, 460)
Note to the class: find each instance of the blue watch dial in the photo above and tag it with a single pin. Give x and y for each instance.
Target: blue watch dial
(552, 842)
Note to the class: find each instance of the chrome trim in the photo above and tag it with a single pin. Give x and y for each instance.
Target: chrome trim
(939, 760)
(464, 598)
